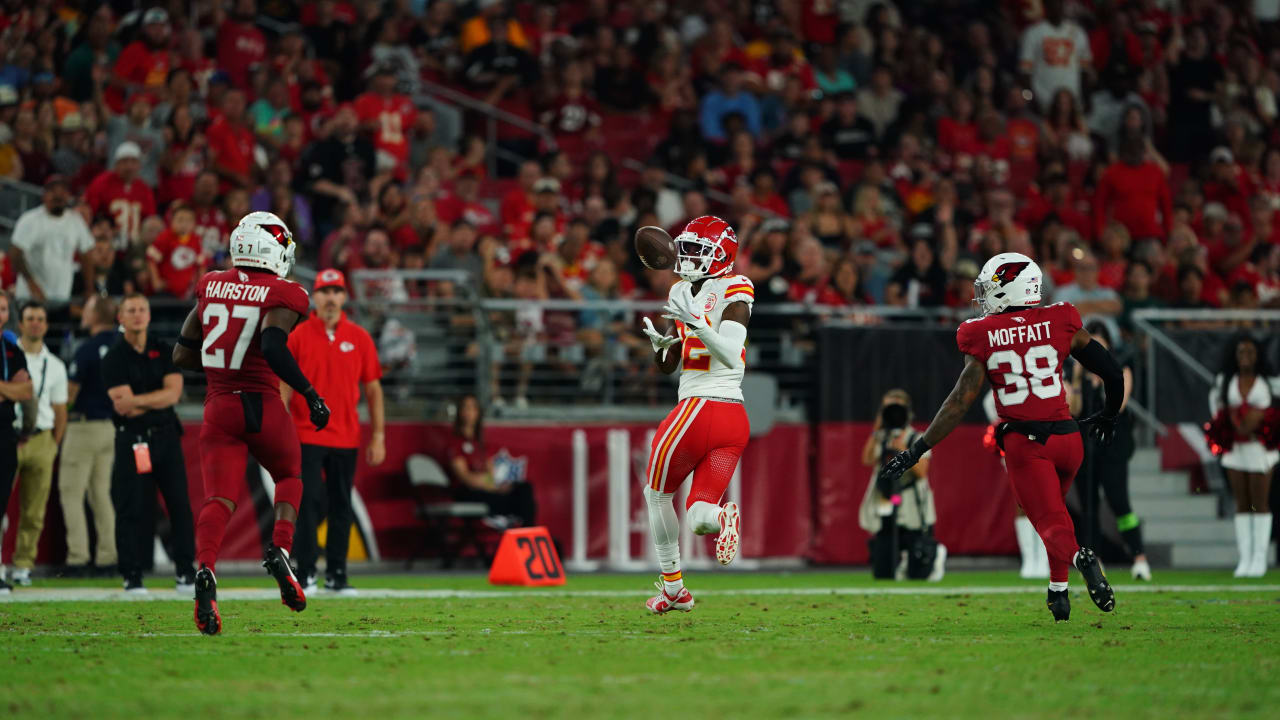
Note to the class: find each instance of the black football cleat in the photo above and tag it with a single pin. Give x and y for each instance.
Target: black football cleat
(277, 564)
(1060, 605)
(1099, 589)
(207, 618)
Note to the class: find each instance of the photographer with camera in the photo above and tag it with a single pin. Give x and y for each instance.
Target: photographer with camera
(900, 518)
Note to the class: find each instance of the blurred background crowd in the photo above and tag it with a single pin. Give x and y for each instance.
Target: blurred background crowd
(868, 152)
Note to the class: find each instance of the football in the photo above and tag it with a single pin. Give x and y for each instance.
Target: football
(655, 248)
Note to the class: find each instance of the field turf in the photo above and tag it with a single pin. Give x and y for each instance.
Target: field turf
(808, 644)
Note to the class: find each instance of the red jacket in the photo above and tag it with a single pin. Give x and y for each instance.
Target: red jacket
(1138, 197)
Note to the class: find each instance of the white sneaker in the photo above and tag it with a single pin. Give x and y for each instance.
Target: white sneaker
(663, 603)
(939, 564)
(1142, 570)
(309, 585)
(727, 540)
(21, 576)
(183, 588)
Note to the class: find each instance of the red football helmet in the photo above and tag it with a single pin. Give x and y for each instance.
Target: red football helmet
(706, 249)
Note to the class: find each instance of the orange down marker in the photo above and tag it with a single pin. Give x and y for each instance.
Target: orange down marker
(526, 556)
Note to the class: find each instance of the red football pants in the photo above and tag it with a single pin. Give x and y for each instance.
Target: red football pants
(236, 424)
(1041, 476)
(705, 437)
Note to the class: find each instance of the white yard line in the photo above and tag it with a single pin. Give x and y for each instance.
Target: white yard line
(38, 595)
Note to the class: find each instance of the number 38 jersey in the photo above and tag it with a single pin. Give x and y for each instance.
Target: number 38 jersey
(1023, 352)
(232, 304)
(701, 375)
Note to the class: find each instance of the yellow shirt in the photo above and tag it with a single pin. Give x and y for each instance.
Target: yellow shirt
(475, 32)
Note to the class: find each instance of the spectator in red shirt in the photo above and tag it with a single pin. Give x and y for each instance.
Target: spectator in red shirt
(1114, 257)
(144, 64)
(1135, 192)
(210, 222)
(1227, 184)
(120, 193)
(389, 118)
(241, 45)
(764, 196)
(231, 143)
(177, 257)
(1055, 200)
(476, 477)
(465, 204)
(572, 112)
(516, 208)
(340, 359)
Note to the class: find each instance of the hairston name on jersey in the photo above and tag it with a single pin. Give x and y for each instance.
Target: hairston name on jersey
(1034, 332)
(235, 291)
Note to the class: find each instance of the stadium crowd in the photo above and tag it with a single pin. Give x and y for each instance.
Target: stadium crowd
(867, 153)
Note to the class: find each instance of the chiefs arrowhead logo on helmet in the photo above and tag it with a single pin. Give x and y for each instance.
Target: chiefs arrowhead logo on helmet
(1007, 272)
(706, 248)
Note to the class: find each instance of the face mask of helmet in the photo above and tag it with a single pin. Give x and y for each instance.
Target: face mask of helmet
(694, 256)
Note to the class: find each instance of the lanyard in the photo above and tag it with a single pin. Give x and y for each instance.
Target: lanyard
(44, 375)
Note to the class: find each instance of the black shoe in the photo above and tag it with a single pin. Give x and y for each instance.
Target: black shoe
(277, 564)
(133, 583)
(1060, 605)
(1099, 589)
(73, 571)
(208, 620)
(5, 588)
(337, 582)
(106, 571)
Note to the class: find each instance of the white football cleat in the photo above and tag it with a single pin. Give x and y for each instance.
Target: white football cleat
(1142, 570)
(662, 602)
(727, 540)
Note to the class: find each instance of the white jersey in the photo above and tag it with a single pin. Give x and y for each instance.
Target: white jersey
(701, 374)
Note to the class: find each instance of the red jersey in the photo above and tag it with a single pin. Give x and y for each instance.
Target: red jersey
(338, 364)
(140, 65)
(231, 147)
(231, 305)
(211, 228)
(128, 202)
(1138, 197)
(394, 117)
(240, 47)
(1023, 353)
(178, 259)
(471, 452)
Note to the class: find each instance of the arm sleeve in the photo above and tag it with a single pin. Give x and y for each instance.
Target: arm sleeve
(58, 388)
(275, 348)
(1098, 361)
(371, 369)
(725, 345)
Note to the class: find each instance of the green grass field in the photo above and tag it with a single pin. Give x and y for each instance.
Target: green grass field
(809, 644)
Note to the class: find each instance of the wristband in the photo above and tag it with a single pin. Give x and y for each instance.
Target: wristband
(918, 448)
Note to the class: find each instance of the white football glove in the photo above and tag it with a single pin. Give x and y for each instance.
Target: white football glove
(682, 307)
(657, 339)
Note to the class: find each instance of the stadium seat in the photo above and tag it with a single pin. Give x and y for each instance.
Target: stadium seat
(451, 526)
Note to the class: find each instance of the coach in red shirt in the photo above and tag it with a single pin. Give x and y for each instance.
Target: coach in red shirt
(339, 358)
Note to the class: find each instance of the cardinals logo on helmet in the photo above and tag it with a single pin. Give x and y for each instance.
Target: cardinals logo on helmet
(1007, 272)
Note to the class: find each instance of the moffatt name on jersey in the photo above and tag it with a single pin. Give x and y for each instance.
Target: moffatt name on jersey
(1019, 334)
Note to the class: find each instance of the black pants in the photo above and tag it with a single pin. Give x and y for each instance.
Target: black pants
(1110, 467)
(8, 467)
(327, 476)
(518, 502)
(134, 497)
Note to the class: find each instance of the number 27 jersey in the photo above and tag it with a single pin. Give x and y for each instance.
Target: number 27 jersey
(1023, 353)
(231, 306)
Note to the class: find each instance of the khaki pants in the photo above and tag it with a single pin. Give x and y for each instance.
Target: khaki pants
(35, 476)
(87, 454)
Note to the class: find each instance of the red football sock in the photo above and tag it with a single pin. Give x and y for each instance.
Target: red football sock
(282, 535)
(210, 528)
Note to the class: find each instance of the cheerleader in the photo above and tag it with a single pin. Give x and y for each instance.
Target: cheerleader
(1242, 395)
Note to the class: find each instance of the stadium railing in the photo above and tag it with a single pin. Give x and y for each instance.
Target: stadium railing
(16, 197)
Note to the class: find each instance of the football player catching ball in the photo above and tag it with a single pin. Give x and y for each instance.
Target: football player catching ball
(707, 431)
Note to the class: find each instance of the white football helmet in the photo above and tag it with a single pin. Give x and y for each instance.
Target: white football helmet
(1007, 280)
(262, 240)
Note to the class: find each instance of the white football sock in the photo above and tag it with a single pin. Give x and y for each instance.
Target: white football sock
(1244, 543)
(704, 517)
(665, 528)
(1261, 544)
(1057, 586)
